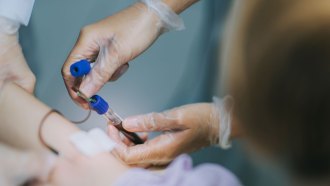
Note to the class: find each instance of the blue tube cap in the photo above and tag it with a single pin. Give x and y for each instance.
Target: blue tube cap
(99, 104)
(80, 68)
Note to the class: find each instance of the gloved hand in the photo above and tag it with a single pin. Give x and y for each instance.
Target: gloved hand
(13, 66)
(185, 129)
(112, 42)
(19, 167)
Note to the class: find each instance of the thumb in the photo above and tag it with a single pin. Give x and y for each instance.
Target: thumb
(164, 121)
(85, 48)
(106, 65)
(153, 152)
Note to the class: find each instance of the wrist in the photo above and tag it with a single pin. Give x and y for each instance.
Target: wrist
(223, 112)
(150, 18)
(179, 6)
(168, 19)
(8, 26)
(56, 132)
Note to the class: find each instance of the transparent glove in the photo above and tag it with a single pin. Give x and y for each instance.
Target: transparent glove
(19, 167)
(112, 43)
(13, 66)
(184, 129)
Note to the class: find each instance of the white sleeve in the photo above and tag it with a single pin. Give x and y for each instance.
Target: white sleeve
(17, 10)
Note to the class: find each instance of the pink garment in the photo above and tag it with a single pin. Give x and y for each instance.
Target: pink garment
(181, 173)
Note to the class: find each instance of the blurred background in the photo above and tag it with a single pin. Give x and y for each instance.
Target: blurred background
(179, 68)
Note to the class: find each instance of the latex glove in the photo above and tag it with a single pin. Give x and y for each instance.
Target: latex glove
(112, 42)
(185, 129)
(19, 167)
(13, 66)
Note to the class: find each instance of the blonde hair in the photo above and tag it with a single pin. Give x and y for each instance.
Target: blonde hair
(283, 97)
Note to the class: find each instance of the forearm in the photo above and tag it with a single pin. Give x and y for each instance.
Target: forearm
(20, 117)
(179, 6)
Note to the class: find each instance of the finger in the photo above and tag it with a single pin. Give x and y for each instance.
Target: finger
(125, 140)
(115, 135)
(157, 151)
(106, 64)
(143, 136)
(119, 72)
(120, 138)
(165, 121)
(85, 48)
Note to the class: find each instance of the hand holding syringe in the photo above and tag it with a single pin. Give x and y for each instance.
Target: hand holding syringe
(98, 104)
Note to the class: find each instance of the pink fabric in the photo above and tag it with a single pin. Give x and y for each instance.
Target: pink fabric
(181, 173)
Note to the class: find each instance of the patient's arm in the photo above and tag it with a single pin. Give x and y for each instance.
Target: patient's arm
(20, 117)
(99, 170)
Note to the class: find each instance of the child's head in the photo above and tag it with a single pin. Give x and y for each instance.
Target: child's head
(280, 79)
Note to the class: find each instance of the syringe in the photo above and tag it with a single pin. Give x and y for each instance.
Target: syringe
(98, 104)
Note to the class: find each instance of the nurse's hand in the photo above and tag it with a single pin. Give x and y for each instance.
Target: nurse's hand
(111, 43)
(184, 129)
(13, 66)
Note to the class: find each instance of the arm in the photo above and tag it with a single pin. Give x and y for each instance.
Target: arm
(20, 117)
(17, 10)
(179, 5)
(118, 39)
(13, 66)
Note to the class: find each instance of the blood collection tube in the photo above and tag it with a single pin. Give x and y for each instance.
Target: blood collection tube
(80, 68)
(102, 107)
(98, 104)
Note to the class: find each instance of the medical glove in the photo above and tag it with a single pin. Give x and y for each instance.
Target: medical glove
(13, 66)
(184, 129)
(113, 42)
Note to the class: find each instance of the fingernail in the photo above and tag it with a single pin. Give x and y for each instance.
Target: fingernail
(119, 72)
(131, 123)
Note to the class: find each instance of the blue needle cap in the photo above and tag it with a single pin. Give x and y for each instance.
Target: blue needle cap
(99, 104)
(80, 68)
